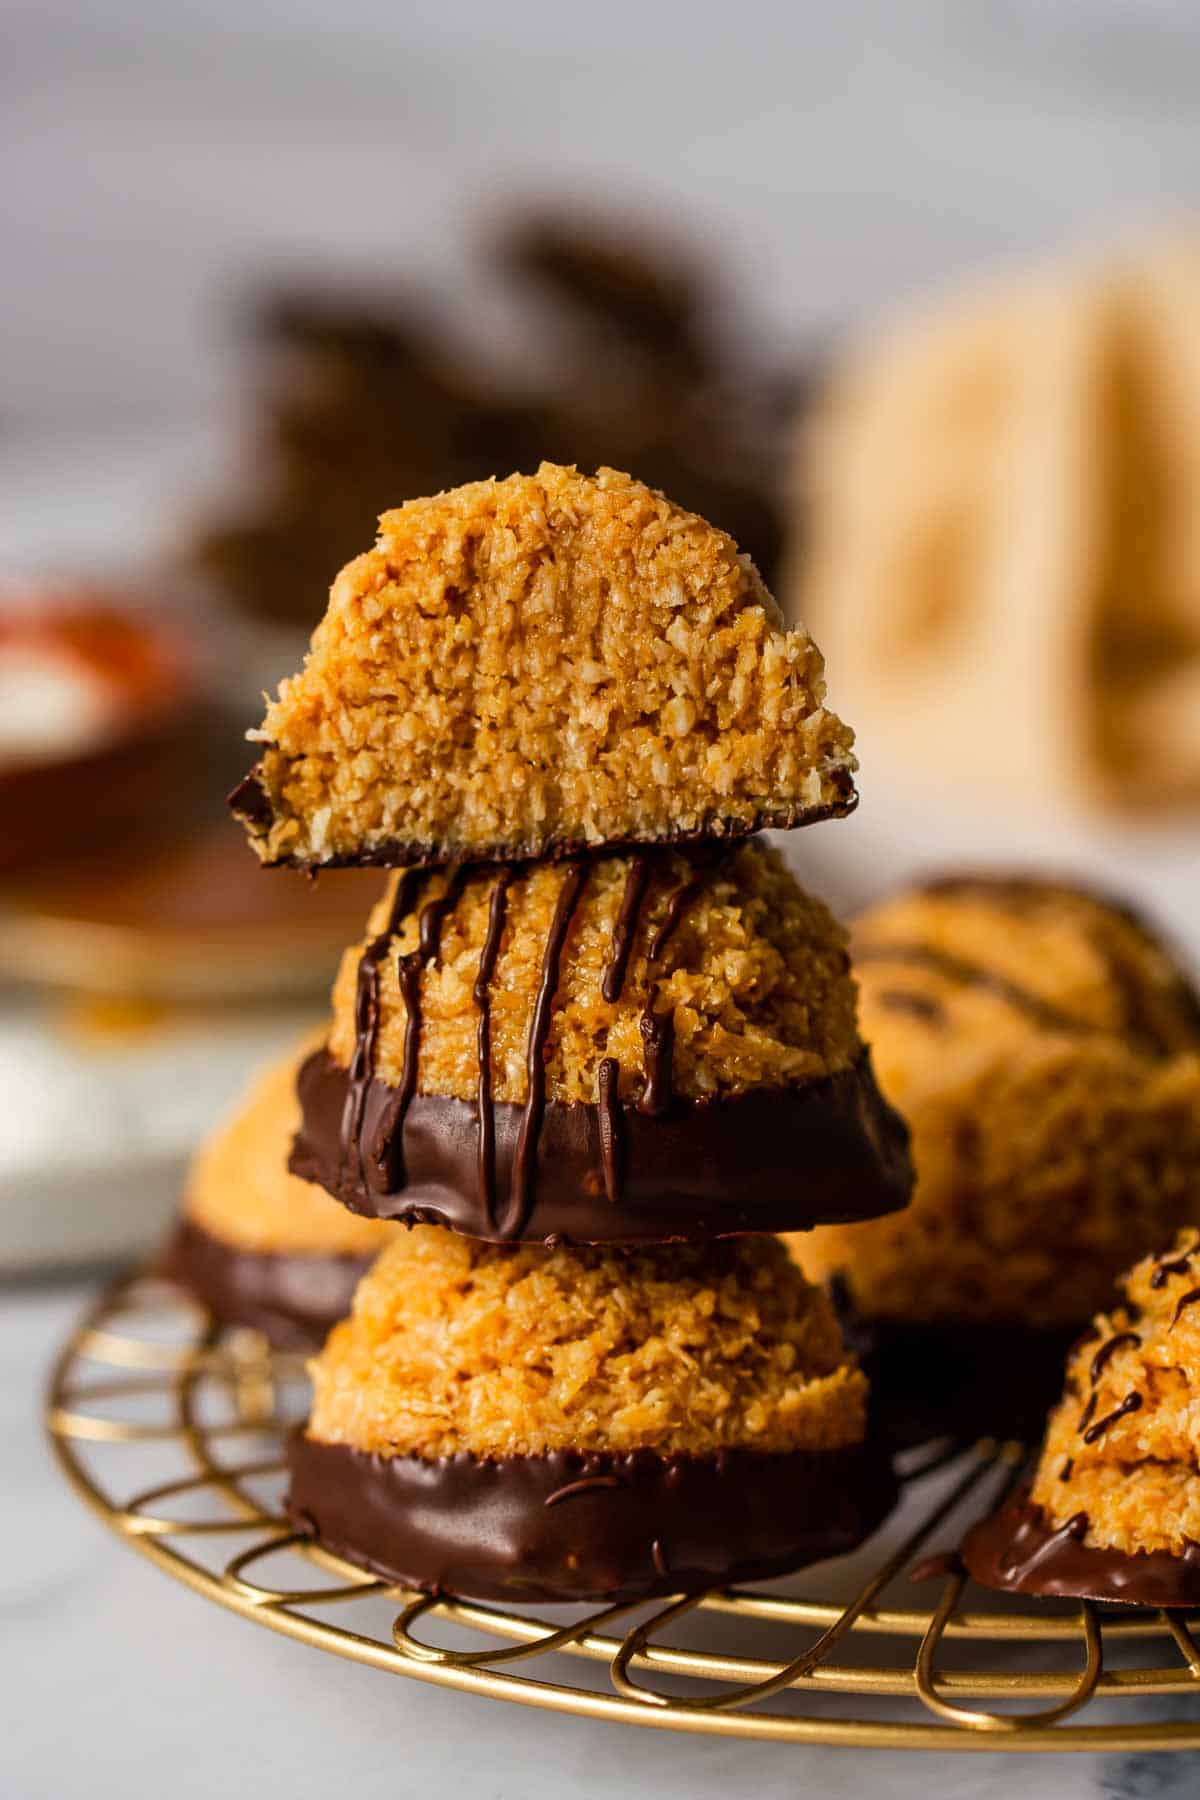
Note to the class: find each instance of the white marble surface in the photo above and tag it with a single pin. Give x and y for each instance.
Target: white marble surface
(119, 1684)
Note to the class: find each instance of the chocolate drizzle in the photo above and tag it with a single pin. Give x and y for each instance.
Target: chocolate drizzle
(1184, 1301)
(387, 1148)
(658, 1029)
(434, 913)
(1130, 1404)
(521, 1189)
(1074, 1530)
(1141, 1023)
(961, 972)
(658, 1049)
(497, 908)
(918, 1006)
(1109, 1349)
(1175, 1265)
(388, 1151)
(586, 1485)
(637, 877)
(366, 1020)
(1019, 1550)
(678, 902)
(608, 1076)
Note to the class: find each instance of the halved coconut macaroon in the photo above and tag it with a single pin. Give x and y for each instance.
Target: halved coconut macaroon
(626, 1047)
(529, 667)
(1113, 1509)
(549, 1424)
(257, 1245)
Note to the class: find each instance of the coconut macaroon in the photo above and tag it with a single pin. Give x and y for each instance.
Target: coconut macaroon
(257, 1245)
(540, 1423)
(526, 667)
(1113, 1509)
(1044, 1048)
(641, 1045)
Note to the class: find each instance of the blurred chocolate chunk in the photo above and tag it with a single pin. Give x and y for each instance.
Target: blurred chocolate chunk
(361, 402)
(645, 294)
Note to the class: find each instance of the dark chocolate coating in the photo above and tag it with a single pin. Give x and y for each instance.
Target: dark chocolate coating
(777, 1159)
(251, 803)
(1019, 1550)
(575, 1526)
(960, 1380)
(293, 1298)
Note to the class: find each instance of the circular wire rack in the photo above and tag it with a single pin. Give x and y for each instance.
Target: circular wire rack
(172, 1429)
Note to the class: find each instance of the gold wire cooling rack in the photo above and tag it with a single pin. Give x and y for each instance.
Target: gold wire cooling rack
(172, 1431)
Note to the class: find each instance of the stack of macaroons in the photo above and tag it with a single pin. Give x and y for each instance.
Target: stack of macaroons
(255, 1244)
(1113, 1508)
(1044, 1047)
(595, 1047)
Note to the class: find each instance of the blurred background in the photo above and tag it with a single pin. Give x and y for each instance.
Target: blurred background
(906, 298)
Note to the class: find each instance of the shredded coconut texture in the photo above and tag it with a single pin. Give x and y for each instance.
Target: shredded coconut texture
(1050, 1074)
(517, 1350)
(239, 1189)
(756, 976)
(540, 662)
(1139, 1480)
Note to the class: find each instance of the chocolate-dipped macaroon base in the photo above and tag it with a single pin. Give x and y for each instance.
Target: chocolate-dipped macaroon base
(776, 1159)
(293, 1297)
(1019, 1550)
(570, 1526)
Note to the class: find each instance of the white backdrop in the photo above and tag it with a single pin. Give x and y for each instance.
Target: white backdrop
(841, 155)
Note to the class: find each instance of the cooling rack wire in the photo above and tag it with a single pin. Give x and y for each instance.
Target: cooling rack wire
(172, 1431)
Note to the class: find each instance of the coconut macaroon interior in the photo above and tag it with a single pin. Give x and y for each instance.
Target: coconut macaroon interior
(1123, 1445)
(1044, 1049)
(455, 1346)
(239, 1190)
(755, 974)
(538, 663)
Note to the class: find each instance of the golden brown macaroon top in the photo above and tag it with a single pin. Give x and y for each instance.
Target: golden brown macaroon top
(755, 975)
(1078, 957)
(549, 661)
(1045, 1052)
(495, 1350)
(239, 1190)
(1123, 1445)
